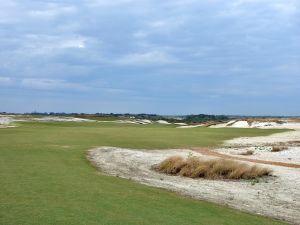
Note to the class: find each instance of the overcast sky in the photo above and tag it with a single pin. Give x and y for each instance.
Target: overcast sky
(152, 56)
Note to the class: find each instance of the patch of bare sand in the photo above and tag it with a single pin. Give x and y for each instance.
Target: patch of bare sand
(277, 196)
(8, 119)
(262, 146)
(190, 126)
(60, 119)
(6, 122)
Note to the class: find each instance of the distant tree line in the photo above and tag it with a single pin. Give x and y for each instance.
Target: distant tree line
(201, 118)
(194, 118)
(198, 118)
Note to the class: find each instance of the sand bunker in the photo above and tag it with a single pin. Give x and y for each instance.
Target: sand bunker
(277, 196)
(262, 146)
(61, 119)
(190, 126)
(9, 119)
(6, 122)
(132, 121)
(259, 123)
(162, 122)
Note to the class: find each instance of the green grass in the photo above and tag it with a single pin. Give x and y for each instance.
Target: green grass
(45, 178)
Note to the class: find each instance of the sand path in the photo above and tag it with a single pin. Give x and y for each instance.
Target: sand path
(209, 152)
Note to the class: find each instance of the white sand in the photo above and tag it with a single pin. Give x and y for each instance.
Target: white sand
(191, 126)
(240, 124)
(181, 124)
(61, 119)
(262, 146)
(284, 123)
(162, 122)
(221, 125)
(277, 197)
(6, 121)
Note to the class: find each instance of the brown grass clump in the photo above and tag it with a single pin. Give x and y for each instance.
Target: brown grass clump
(171, 165)
(294, 143)
(211, 169)
(297, 120)
(278, 148)
(276, 120)
(249, 152)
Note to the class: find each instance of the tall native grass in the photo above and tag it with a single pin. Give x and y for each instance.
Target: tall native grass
(195, 167)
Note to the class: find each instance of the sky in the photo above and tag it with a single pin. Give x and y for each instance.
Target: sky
(150, 56)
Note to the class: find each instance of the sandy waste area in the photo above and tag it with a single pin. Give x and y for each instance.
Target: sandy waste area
(276, 196)
(8, 121)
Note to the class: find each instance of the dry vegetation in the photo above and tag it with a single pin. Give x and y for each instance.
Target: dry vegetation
(296, 119)
(211, 169)
(276, 120)
(278, 148)
(294, 143)
(249, 152)
(210, 123)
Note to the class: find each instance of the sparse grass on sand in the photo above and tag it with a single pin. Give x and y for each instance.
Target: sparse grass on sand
(43, 182)
(248, 152)
(278, 148)
(195, 167)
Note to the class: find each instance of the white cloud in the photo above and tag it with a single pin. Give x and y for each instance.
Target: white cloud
(42, 83)
(52, 11)
(147, 58)
(140, 34)
(105, 3)
(159, 24)
(72, 43)
(50, 84)
(5, 81)
(169, 24)
(239, 7)
(238, 3)
(36, 44)
(287, 8)
(162, 26)
(7, 11)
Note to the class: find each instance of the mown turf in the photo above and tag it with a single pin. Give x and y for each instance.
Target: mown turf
(45, 178)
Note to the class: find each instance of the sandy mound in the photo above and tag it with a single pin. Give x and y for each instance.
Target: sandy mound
(191, 126)
(180, 124)
(277, 197)
(162, 122)
(135, 121)
(6, 121)
(61, 119)
(289, 136)
(263, 124)
(221, 125)
(261, 147)
(240, 124)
